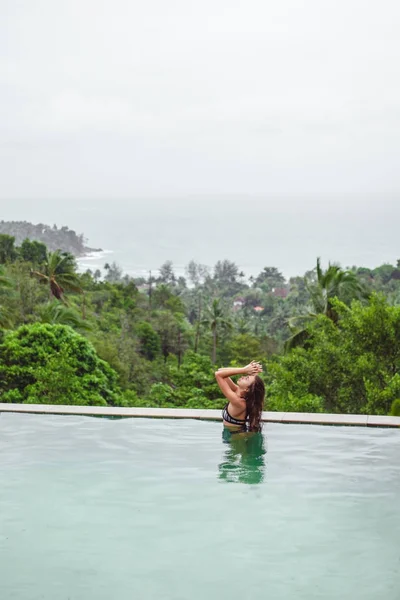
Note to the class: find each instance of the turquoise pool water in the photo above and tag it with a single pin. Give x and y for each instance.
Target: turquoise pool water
(100, 509)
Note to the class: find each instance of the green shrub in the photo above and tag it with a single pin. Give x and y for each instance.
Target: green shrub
(53, 364)
(395, 410)
(290, 403)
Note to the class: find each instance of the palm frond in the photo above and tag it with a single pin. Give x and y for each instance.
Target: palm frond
(297, 339)
(299, 322)
(319, 270)
(40, 276)
(55, 313)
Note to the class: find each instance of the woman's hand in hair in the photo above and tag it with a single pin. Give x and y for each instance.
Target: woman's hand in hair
(253, 368)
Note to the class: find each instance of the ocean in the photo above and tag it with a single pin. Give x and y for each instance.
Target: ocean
(253, 231)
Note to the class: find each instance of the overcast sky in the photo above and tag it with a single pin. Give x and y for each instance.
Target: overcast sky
(122, 98)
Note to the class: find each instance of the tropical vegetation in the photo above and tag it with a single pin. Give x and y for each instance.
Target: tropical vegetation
(328, 340)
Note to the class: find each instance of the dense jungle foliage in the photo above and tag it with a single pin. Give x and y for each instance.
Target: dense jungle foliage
(329, 340)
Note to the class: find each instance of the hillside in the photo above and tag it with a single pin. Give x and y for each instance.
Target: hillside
(55, 238)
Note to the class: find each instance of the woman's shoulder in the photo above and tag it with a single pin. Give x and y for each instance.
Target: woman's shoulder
(237, 400)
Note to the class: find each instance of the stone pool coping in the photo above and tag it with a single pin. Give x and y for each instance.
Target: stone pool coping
(210, 415)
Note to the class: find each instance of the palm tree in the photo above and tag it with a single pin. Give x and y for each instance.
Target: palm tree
(59, 273)
(242, 325)
(161, 295)
(334, 283)
(329, 284)
(58, 314)
(7, 249)
(215, 320)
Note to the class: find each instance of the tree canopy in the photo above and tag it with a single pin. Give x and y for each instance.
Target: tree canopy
(53, 364)
(328, 340)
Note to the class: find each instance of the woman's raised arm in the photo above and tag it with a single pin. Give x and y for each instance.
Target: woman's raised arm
(226, 385)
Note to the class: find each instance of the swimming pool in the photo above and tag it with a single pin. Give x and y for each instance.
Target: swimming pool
(101, 509)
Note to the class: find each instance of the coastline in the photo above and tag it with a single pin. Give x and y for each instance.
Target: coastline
(88, 250)
(92, 255)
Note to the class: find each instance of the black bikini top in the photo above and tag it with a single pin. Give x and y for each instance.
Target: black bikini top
(229, 419)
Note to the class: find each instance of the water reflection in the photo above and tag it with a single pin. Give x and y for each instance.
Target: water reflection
(244, 457)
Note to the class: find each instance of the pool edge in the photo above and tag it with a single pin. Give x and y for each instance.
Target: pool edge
(202, 414)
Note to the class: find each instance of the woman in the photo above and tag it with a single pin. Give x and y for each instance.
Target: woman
(246, 399)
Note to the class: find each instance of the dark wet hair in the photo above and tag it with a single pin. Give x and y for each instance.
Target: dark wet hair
(254, 403)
